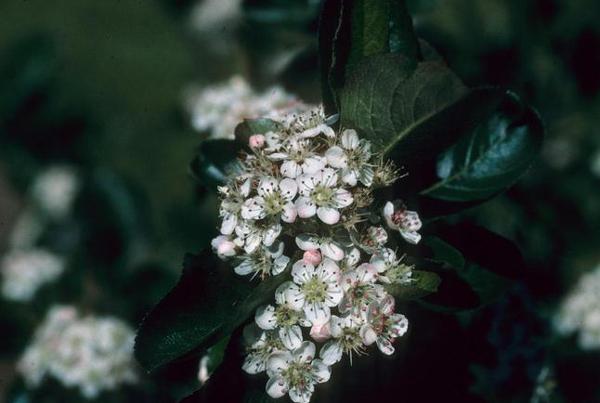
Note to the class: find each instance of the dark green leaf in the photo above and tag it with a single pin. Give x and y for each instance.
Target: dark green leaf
(411, 113)
(492, 157)
(230, 383)
(424, 283)
(350, 31)
(208, 302)
(215, 160)
(484, 261)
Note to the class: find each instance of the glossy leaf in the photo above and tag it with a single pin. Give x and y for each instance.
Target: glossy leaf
(350, 31)
(208, 303)
(424, 283)
(411, 113)
(492, 157)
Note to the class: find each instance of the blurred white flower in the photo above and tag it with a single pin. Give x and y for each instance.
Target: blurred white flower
(25, 271)
(580, 311)
(89, 353)
(219, 108)
(54, 191)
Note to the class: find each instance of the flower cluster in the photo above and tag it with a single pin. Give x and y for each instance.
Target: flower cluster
(580, 311)
(302, 204)
(92, 354)
(218, 109)
(25, 271)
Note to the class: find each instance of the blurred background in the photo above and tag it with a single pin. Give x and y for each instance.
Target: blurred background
(102, 105)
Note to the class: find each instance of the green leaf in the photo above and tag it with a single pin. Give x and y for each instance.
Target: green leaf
(424, 283)
(350, 31)
(215, 159)
(207, 304)
(229, 383)
(411, 113)
(492, 157)
(486, 262)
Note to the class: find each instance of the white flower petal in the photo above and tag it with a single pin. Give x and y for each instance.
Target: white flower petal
(307, 182)
(331, 352)
(253, 209)
(289, 213)
(305, 352)
(265, 317)
(317, 312)
(328, 215)
(336, 157)
(301, 395)
(288, 188)
(294, 296)
(229, 222)
(313, 164)
(350, 139)
(350, 177)
(331, 250)
(329, 177)
(342, 198)
(385, 346)
(252, 242)
(278, 362)
(244, 268)
(291, 169)
(305, 207)
(279, 265)
(411, 237)
(368, 335)
(271, 234)
(276, 387)
(321, 372)
(253, 364)
(267, 186)
(302, 271)
(291, 336)
(307, 242)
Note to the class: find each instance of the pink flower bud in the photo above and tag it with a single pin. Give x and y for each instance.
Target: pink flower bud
(312, 256)
(256, 141)
(320, 331)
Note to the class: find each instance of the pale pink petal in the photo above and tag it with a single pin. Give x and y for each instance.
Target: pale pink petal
(328, 215)
(305, 207)
(289, 213)
(332, 250)
(342, 198)
(276, 387)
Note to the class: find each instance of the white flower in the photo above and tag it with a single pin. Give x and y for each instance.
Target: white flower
(54, 190)
(328, 247)
(264, 261)
(282, 318)
(346, 338)
(321, 195)
(223, 246)
(274, 199)
(314, 290)
(296, 373)
(250, 235)
(298, 158)
(311, 123)
(360, 289)
(352, 158)
(580, 311)
(233, 199)
(383, 325)
(260, 347)
(404, 221)
(25, 271)
(92, 354)
(390, 268)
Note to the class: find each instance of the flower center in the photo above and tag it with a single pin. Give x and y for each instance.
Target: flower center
(315, 290)
(322, 195)
(273, 203)
(298, 375)
(285, 316)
